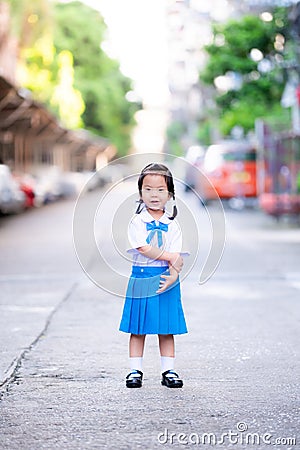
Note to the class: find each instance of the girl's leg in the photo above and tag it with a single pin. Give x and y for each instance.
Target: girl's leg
(136, 345)
(136, 351)
(166, 345)
(167, 351)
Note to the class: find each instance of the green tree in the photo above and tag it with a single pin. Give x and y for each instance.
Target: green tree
(31, 25)
(30, 20)
(81, 30)
(65, 98)
(237, 50)
(61, 61)
(175, 132)
(47, 74)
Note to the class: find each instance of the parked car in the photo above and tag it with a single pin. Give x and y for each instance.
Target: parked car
(26, 185)
(230, 168)
(12, 199)
(51, 184)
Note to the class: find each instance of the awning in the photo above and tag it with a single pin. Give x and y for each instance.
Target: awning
(20, 115)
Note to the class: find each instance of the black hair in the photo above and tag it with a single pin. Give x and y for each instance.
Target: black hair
(157, 169)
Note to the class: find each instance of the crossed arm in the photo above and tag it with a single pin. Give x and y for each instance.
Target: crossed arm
(174, 260)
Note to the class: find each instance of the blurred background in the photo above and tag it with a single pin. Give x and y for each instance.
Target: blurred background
(84, 83)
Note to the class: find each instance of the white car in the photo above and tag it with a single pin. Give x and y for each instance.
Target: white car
(12, 199)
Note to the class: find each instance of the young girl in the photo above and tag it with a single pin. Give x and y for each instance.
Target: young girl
(153, 299)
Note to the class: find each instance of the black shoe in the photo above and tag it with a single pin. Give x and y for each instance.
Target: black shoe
(134, 379)
(171, 379)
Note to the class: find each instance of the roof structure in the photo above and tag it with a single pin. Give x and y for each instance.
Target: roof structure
(20, 115)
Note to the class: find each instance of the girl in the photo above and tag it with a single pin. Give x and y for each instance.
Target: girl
(153, 300)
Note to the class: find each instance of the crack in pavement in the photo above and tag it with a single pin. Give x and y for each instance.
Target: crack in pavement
(15, 366)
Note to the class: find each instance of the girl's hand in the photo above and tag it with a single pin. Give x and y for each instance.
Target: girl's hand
(176, 262)
(167, 281)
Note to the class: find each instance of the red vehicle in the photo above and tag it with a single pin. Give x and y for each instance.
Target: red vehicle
(26, 187)
(278, 172)
(230, 167)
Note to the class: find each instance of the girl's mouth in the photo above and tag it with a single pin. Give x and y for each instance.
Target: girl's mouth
(154, 203)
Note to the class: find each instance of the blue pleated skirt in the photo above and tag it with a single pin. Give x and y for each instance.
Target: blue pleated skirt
(145, 311)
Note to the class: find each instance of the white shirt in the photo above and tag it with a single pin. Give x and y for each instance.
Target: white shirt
(138, 234)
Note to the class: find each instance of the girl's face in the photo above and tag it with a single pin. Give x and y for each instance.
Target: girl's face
(155, 191)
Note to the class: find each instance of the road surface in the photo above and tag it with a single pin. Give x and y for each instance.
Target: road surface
(63, 360)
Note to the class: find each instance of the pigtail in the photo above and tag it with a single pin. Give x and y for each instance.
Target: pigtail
(174, 214)
(139, 208)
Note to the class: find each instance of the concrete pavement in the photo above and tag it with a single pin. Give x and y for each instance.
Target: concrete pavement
(239, 362)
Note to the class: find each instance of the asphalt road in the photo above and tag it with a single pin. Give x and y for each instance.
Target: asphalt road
(63, 360)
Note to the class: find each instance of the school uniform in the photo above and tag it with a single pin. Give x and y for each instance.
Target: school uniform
(145, 311)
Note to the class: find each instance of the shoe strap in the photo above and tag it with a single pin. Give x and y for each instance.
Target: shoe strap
(135, 374)
(170, 374)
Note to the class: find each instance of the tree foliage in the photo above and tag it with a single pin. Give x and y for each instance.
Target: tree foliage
(175, 131)
(61, 61)
(30, 25)
(81, 30)
(261, 83)
(67, 100)
(30, 20)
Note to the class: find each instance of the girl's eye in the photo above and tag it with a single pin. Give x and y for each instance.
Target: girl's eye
(161, 190)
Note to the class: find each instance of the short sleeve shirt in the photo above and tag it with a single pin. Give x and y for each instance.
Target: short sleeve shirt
(138, 235)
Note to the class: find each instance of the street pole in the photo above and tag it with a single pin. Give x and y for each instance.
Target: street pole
(296, 117)
(294, 17)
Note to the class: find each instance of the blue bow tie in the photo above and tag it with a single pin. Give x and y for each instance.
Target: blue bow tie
(153, 228)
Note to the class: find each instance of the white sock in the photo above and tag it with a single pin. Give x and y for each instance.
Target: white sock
(136, 363)
(167, 363)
